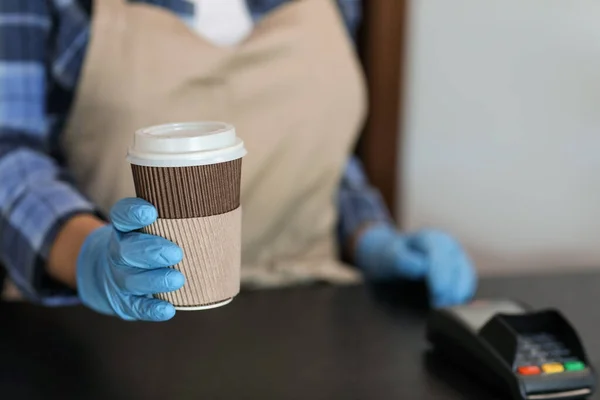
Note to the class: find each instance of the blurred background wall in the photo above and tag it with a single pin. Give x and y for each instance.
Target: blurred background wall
(500, 139)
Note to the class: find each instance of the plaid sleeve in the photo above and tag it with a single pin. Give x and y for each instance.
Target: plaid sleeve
(351, 11)
(35, 196)
(359, 203)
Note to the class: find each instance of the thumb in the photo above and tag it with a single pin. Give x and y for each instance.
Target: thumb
(130, 214)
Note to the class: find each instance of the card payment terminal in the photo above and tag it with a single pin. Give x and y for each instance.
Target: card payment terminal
(532, 354)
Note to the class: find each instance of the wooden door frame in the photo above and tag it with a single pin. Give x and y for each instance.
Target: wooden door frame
(382, 47)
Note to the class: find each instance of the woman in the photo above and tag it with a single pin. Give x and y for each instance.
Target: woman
(79, 76)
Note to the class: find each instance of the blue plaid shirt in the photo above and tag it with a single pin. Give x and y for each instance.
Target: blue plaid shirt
(42, 48)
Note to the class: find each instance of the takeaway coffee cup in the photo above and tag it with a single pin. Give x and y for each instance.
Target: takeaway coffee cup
(191, 173)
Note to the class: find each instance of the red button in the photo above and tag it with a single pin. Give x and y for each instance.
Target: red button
(529, 370)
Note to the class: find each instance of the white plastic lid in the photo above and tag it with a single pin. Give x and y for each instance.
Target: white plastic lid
(185, 144)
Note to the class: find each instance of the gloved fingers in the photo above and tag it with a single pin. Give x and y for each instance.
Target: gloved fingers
(147, 309)
(140, 250)
(452, 282)
(442, 270)
(428, 239)
(382, 253)
(440, 281)
(466, 281)
(132, 213)
(143, 282)
(410, 264)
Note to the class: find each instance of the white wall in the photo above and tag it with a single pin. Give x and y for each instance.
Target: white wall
(503, 129)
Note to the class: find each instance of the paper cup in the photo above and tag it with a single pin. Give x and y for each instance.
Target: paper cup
(191, 173)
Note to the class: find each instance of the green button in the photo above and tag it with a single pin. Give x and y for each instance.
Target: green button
(574, 366)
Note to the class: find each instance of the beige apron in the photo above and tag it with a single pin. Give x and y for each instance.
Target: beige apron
(293, 90)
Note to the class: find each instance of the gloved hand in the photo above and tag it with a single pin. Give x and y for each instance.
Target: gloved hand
(118, 269)
(383, 253)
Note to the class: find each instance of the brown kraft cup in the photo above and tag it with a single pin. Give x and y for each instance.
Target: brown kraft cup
(191, 173)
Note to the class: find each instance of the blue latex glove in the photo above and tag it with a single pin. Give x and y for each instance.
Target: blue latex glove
(118, 269)
(383, 253)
